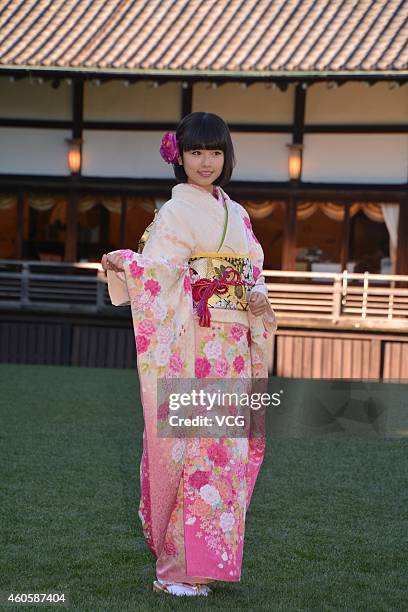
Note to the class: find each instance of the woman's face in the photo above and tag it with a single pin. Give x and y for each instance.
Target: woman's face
(203, 166)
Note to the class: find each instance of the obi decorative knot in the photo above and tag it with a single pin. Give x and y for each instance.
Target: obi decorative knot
(219, 281)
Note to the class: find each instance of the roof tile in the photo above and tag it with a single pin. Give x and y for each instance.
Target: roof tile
(206, 35)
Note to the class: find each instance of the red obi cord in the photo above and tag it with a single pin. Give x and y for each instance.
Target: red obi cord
(204, 288)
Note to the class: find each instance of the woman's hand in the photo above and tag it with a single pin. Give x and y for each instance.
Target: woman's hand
(257, 303)
(112, 262)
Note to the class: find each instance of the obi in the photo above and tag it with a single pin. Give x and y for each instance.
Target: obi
(219, 281)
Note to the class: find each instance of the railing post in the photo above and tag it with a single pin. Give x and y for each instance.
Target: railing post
(336, 310)
(24, 295)
(365, 296)
(100, 294)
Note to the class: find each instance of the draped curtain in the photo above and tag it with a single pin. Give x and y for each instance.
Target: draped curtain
(378, 212)
(304, 210)
(85, 203)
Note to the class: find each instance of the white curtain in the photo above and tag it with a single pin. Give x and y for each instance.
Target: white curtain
(391, 216)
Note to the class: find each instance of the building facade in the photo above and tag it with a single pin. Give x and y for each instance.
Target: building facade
(315, 95)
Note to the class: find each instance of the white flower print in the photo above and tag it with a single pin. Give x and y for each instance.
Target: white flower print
(141, 301)
(177, 452)
(162, 354)
(227, 521)
(165, 335)
(210, 495)
(224, 556)
(242, 446)
(213, 349)
(242, 344)
(191, 520)
(242, 497)
(159, 309)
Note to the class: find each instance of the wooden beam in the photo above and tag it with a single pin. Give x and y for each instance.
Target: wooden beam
(289, 236)
(77, 108)
(71, 229)
(123, 223)
(267, 128)
(299, 114)
(345, 238)
(186, 99)
(254, 190)
(402, 244)
(20, 225)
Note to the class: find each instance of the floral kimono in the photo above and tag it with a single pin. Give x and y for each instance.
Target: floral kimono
(194, 491)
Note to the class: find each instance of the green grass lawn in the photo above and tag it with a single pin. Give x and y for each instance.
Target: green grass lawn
(326, 529)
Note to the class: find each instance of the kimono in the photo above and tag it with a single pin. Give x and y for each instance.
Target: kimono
(195, 492)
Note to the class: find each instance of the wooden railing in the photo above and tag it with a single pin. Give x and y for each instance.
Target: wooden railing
(306, 299)
(339, 299)
(53, 286)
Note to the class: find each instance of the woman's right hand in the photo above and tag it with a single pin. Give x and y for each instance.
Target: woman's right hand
(112, 262)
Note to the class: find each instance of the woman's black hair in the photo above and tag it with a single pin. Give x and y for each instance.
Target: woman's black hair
(205, 131)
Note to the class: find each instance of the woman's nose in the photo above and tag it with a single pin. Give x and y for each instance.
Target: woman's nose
(206, 159)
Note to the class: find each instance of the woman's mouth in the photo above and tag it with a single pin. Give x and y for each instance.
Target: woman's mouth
(205, 174)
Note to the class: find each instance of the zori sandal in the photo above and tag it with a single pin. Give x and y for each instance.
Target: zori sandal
(181, 589)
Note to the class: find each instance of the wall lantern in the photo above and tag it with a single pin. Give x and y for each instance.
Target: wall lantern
(295, 161)
(74, 154)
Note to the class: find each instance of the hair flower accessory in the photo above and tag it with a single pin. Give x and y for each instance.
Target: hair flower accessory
(169, 149)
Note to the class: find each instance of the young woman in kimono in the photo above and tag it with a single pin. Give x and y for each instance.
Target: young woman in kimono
(200, 309)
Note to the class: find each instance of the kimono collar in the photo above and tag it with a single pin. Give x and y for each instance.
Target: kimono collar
(185, 191)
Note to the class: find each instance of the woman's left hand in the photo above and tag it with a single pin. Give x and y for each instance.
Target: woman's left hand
(258, 303)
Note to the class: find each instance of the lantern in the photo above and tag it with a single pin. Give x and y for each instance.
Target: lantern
(74, 155)
(295, 161)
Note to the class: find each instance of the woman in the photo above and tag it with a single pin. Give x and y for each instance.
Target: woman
(200, 309)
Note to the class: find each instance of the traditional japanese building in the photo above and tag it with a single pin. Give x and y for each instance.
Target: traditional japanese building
(315, 94)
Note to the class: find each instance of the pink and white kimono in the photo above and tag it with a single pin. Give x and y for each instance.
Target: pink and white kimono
(194, 491)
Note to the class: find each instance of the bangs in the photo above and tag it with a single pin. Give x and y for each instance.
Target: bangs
(206, 132)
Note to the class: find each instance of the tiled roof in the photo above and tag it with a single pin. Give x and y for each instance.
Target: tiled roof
(215, 36)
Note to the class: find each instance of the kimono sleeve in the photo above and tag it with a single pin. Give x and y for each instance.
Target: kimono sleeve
(171, 236)
(117, 288)
(171, 240)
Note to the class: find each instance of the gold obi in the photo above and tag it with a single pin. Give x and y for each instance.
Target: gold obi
(145, 235)
(212, 266)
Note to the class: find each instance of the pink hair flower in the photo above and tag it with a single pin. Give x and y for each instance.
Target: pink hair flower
(169, 149)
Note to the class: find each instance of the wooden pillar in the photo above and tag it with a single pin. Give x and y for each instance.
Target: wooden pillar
(103, 225)
(402, 244)
(20, 225)
(186, 99)
(289, 236)
(345, 238)
(72, 227)
(123, 223)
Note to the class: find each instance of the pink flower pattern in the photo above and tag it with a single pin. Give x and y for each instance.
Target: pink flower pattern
(175, 363)
(187, 284)
(142, 343)
(239, 364)
(218, 455)
(146, 327)
(202, 367)
(136, 270)
(199, 478)
(237, 331)
(153, 286)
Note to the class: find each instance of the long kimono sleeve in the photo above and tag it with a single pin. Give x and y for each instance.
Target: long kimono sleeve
(171, 234)
(170, 239)
(157, 286)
